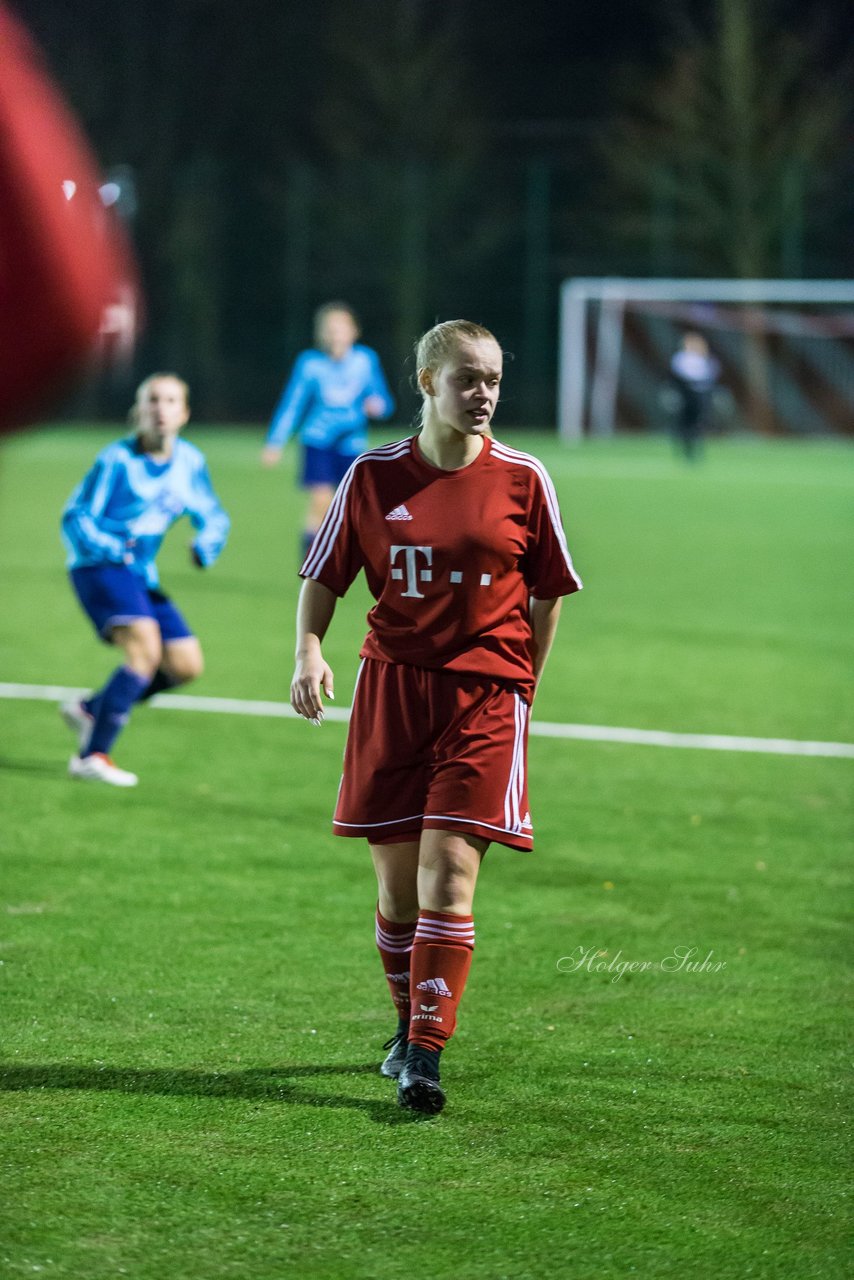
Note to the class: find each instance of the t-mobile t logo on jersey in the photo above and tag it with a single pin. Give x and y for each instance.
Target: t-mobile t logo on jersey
(413, 573)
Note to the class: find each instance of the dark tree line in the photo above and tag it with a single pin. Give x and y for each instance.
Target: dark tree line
(397, 153)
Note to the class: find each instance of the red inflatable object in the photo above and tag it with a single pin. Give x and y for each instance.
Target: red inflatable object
(67, 277)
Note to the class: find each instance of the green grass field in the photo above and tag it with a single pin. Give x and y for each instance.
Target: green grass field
(192, 1005)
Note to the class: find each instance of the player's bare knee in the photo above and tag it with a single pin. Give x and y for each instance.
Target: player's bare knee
(184, 660)
(141, 645)
(448, 886)
(396, 867)
(398, 903)
(320, 500)
(189, 667)
(453, 893)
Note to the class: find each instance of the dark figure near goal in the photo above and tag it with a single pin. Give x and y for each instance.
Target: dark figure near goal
(695, 372)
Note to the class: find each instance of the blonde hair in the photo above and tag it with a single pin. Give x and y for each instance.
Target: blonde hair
(133, 413)
(435, 346)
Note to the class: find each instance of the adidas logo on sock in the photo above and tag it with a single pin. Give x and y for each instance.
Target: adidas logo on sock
(398, 977)
(436, 987)
(399, 513)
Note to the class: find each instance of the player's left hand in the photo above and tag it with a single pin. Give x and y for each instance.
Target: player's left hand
(374, 406)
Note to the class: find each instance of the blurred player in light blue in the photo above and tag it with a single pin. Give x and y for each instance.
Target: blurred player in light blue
(113, 525)
(333, 390)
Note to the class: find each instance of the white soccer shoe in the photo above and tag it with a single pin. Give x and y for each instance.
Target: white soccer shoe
(100, 768)
(78, 720)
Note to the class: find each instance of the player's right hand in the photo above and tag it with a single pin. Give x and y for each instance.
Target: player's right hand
(311, 676)
(270, 455)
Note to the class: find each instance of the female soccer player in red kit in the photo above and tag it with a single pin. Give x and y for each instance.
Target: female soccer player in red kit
(461, 541)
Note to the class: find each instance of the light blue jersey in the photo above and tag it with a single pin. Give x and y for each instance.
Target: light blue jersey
(323, 401)
(121, 510)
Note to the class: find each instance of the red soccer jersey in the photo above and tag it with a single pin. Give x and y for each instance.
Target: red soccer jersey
(451, 557)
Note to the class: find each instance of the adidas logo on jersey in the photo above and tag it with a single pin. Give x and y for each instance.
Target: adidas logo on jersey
(436, 987)
(399, 513)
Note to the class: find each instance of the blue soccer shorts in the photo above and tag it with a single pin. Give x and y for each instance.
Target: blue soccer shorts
(113, 596)
(324, 466)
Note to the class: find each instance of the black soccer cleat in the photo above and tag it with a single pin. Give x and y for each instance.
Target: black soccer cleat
(393, 1063)
(418, 1087)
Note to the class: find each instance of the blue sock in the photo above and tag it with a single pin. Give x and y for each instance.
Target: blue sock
(160, 681)
(112, 708)
(91, 704)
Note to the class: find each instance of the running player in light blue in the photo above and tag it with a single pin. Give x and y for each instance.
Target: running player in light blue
(333, 390)
(112, 526)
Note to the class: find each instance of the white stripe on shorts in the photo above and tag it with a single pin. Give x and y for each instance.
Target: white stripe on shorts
(525, 828)
(516, 782)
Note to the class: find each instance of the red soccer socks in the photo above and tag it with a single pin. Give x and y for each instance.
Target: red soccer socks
(439, 966)
(394, 943)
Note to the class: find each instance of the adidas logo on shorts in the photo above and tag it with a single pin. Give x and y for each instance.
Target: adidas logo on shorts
(436, 987)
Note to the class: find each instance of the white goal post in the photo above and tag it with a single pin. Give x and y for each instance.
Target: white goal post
(593, 315)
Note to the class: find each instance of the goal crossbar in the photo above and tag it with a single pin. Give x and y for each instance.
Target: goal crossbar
(612, 293)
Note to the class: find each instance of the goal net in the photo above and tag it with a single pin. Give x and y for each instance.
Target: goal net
(785, 351)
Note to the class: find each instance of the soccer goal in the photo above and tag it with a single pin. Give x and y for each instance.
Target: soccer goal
(785, 350)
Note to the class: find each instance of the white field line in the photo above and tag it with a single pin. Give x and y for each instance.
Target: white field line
(538, 728)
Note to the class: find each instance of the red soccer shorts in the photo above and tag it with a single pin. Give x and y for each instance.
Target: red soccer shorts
(434, 750)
